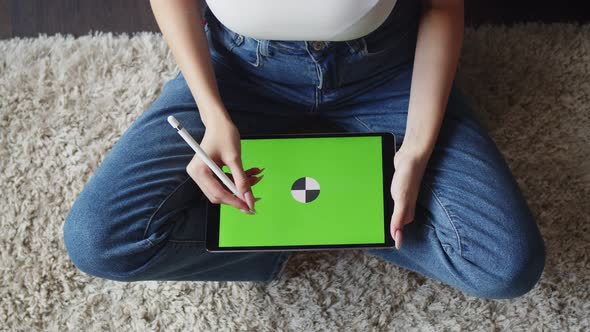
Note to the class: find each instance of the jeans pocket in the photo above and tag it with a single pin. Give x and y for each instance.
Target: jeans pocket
(247, 50)
(158, 231)
(375, 45)
(179, 215)
(228, 42)
(385, 53)
(218, 56)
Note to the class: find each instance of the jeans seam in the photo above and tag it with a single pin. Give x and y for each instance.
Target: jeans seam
(363, 123)
(436, 197)
(160, 207)
(150, 243)
(186, 241)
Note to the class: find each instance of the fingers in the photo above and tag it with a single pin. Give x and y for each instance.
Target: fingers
(254, 180)
(219, 195)
(241, 181)
(254, 171)
(403, 213)
(251, 173)
(396, 231)
(212, 188)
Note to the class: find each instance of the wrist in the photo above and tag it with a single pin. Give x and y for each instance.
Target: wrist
(413, 153)
(418, 151)
(215, 117)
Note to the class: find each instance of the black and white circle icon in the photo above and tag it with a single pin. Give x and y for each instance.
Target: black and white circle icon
(305, 190)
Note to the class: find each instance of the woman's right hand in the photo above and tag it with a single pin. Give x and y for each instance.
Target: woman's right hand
(221, 142)
(182, 27)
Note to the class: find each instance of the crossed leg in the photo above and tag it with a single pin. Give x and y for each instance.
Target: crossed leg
(472, 228)
(141, 217)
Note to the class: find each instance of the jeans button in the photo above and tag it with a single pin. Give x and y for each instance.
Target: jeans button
(317, 45)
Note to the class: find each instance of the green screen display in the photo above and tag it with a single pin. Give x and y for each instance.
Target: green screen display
(315, 191)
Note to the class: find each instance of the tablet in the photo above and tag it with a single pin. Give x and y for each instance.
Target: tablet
(319, 191)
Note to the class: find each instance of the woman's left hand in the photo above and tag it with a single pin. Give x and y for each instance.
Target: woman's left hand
(409, 169)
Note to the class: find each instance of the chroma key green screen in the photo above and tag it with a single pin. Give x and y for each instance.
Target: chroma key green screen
(315, 191)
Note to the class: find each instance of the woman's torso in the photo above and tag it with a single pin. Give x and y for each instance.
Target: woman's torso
(390, 46)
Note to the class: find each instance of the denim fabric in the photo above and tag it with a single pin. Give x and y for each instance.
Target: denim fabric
(141, 217)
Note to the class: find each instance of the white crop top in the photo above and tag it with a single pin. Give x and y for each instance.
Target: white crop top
(326, 20)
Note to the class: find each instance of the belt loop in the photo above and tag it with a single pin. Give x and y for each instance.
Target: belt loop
(237, 38)
(263, 44)
(356, 45)
(258, 52)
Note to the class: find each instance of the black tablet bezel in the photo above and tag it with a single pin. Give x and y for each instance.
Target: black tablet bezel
(388, 145)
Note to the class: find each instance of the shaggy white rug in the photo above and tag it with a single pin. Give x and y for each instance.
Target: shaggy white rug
(65, 101)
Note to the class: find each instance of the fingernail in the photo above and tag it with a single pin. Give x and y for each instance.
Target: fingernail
(249, 200)
(262, 169)
(245, 211)
(398, 240)
(253, 211)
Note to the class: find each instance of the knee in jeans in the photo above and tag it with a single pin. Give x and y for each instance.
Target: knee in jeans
(92, 250)
(520, 271)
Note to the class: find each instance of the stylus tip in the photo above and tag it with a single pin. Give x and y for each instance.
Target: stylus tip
(172, 121)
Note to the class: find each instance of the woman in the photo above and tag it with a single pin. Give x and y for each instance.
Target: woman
(459, 215)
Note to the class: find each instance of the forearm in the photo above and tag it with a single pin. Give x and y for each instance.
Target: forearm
(181, 26)
(438, 46)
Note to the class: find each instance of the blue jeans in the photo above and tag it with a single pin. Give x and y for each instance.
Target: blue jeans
(141, 217)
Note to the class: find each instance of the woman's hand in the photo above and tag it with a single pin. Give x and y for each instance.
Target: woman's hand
(222, 144)
(409, 169)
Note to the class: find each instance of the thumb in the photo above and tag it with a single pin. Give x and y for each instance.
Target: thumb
(400, 214)
(242, 182)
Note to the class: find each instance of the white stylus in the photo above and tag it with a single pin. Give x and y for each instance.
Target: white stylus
(212, 165)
